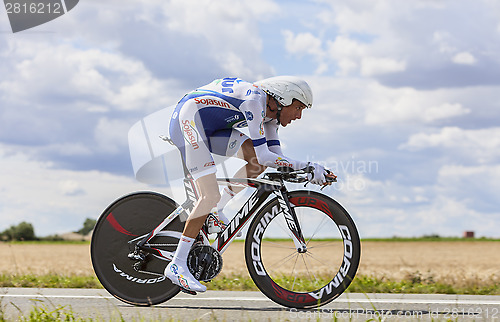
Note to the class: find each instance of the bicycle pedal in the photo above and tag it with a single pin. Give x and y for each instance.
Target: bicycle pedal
(187, 291)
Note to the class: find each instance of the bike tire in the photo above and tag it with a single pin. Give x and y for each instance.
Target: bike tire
(128, 218)
(310, 279)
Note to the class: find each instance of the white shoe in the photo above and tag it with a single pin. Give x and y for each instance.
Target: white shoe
(180, 275)
(217, 222)
(214, 225)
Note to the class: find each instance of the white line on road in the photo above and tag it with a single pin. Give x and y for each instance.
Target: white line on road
(57, 296)
(262, 299)
(420, 301)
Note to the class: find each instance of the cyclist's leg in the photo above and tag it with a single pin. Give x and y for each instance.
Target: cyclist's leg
(209, 196)
(177, 271)
(188, 134)
(199, 162)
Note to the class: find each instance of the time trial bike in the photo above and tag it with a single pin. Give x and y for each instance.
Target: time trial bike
(302, 249)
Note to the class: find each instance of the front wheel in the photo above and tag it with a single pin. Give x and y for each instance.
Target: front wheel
(303, 279)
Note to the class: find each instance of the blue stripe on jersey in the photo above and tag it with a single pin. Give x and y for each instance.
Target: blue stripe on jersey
(215, 119)
(273, 142)
(259, 141)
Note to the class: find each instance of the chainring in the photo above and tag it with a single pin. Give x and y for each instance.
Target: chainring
(204, 262)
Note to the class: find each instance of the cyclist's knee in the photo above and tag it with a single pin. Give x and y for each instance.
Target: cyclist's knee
(210, 198)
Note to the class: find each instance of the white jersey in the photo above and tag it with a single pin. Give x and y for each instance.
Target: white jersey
(212, 114)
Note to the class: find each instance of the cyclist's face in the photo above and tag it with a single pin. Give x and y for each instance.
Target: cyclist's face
(291, 112)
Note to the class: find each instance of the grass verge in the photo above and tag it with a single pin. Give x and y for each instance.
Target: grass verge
(361, 284)
(416, 285)
(49, 281)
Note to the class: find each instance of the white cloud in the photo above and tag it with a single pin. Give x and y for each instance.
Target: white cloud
(461, 198)
(386, 40)
(197, 20)
(482, 145)
(464, 58)
(371, 66)
(302, 43)
(198, 17)
(449, 217)
(71, 188)
(107, 65)
(347, 53)
(443, 40)
(388, 208)
(444, 111)
(344, 46)
(477, 185)
(63, 149)
(53, 200)
(111, 135)
(477, 190)
(407, 105)
(80, 74)
(362, 17)
(306, 44)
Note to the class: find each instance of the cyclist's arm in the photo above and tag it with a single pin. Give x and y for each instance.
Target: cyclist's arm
(272, 138)
(253, 111)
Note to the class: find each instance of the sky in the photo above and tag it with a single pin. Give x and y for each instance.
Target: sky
(406, 108)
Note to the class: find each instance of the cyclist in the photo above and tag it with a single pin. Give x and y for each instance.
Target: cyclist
(206, 121)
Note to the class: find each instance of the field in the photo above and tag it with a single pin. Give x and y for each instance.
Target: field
(457, 263)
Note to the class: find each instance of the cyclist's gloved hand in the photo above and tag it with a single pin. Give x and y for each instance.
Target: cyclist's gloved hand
(318, 175)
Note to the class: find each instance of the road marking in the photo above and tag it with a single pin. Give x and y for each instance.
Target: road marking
(263, 299)
(382, 301)
(57, 296)
(420, 301)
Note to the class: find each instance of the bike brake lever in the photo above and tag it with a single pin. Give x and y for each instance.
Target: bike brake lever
(334, 179)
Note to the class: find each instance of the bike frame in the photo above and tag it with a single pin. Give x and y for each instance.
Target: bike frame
(264, 188)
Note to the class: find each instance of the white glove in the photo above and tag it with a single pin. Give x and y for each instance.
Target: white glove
(318, 175)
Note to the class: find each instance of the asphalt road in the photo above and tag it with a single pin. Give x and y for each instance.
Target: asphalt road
(251, 306)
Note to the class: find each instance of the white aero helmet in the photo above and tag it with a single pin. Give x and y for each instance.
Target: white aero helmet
(285, 88)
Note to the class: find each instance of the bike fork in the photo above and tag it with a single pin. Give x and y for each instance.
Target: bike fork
(291, 221)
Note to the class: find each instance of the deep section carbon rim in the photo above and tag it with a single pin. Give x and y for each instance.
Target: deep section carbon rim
(303, 279)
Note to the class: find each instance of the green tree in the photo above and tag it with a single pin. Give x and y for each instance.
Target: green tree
(88, 225)
(23, 231)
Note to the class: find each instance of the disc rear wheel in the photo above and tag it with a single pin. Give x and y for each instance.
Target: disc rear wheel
(138, 280)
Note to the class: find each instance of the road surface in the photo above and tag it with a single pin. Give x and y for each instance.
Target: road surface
(252, 306)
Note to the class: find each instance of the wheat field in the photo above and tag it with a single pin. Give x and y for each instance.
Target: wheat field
(454, 262)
